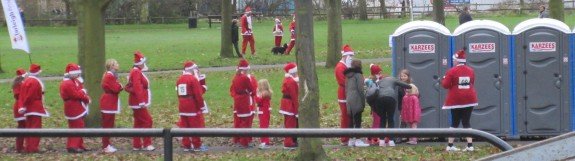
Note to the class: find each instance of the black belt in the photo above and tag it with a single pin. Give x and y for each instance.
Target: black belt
(286, 96)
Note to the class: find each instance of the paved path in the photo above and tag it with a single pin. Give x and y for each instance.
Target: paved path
(214, 69)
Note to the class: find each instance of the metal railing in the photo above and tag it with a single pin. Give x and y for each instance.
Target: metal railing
(167, 134)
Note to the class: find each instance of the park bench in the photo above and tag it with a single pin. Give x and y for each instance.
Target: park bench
(218, 18)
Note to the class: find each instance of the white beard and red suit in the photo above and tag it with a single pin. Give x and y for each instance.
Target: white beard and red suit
(75, 100)
(31, 104)
(247, 34)
(243, 94)
(190, 107)
(109, 102)
(278, 32)
(340, 68)
(289, 105)
(139, 100)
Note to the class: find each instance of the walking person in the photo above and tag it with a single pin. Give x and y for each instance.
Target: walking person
(110, 101)
(31, 105)
(264, 98)
(355, 99)
(292, 28)
(461, 96)
(18, 117)
(289, 106)
(76, 102)
(140, 96)
(247, 33)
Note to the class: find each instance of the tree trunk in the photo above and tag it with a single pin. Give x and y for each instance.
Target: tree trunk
(226, 41)
(382, 8)
(310, 149)
(403, 6)
(234, 6)
(145, 11)
(521, 6)
(334, 34)
(92, 51)
(68, 12)
(438, 13)
(556, 10)
(362, 10)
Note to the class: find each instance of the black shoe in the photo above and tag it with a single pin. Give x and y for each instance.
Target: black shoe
(74, 150)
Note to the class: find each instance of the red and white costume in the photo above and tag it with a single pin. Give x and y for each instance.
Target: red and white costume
(291, 44)
(374, 70)
(31, 104)
(242, 92)
(340, 67)
(75, 100)
(289, 104)
(18, 117)
(264, 109)
(247, 34)
(139, 100)
(191, 103)
(459, 81)
(109, 102)
(278, 32)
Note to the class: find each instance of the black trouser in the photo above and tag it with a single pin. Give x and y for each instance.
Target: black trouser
(237, 49)
(386, 110)
(355, 120)
(461, 115)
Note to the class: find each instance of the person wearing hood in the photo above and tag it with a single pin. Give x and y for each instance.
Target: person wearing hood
(139, 100)
(355, 99)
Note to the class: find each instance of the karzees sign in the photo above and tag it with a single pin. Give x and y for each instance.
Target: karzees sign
(421, 48)
(481, 47)
(542, 47)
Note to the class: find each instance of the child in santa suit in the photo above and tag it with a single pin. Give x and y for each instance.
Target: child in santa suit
(18, 117)
(139, 100)
(461, 96)
(191, 103)
(76, 102)
(247, 33)
(242, 92)
(110, 101)
(278, 32)
(264, 96)
(375, 76)
(291, 44)
(345, 62)
(289, 104)
(31, 105)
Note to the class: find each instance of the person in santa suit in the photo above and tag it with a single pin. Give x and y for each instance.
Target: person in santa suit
(139, 100)
(289, 104)
(345, 62)
(247, 33)
(110, 101)
(253, 96)
(292, 26)
(242, 92)
(18, 117)
(190, 106)
(75, 100)
(31, 105)
(461, 96)
(263, 101)
(370, 82)
(278, 32)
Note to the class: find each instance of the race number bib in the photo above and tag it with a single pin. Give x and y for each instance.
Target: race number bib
(182, 90)
(464, 83)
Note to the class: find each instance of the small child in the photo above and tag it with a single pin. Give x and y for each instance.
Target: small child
(263, 100)
(411, 110)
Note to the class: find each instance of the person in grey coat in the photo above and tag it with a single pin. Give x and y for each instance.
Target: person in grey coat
(355, 99)
(386, 103)
(543, 12)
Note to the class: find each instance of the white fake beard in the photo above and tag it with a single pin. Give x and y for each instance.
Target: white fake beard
(295, 78)
(145, 68)
(80, 79)
(348, 61)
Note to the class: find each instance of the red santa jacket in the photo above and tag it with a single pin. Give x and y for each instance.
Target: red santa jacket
(109, 101)
(16, 91)
(459, 81)
(31, 98)
(280, 28)
(246, 23)
(289, 104)
(140, 94)
(202, 79)
(340, 78)
(241, 90)
(189, 95)
(292, 26)
(73, 95)
(253, 95)
(264, 104)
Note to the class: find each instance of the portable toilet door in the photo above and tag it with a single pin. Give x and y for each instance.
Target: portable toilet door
(423, 48)
(543, 75)
(487, 46)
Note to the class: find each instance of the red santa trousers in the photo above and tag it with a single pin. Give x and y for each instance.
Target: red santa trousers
(344, 120)
(142, 119)
(374, 125)
(236, 139)
(290, 122)
(33, 122)
(244, 122)
(248, 39)
(107, 122)
(192, 122)
(290, 46)
(278, 41)
(75, 142)
(20, 140)
(264, 123)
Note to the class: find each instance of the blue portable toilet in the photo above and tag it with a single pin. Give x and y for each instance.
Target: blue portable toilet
(542, 91)
(423, 47)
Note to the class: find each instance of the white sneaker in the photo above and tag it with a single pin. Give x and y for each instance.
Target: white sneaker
(187, 150)
(263, 146)
(110, 149)
(360, 143)
(136, 149)
(289, 148)
(149, 148)
(201, 149)
(469, 149)
(452, 148)
(391, 143)
(382, 143)
(351, 142)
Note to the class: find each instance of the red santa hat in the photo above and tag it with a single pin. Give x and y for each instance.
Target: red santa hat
(35, 69)
(277, 20)
(139, 58)
(346, 50)
(20, 72)
(290, 68)
(248, 9)
(243, 65)
(73, 69)
(375, 69)
(189, 65)
(459, 56)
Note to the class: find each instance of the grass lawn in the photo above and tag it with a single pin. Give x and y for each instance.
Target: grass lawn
(167, 46)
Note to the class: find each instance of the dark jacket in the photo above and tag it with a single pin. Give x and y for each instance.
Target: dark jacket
(464, 17)
(235, 37)
(389, 86)
(354, 91)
